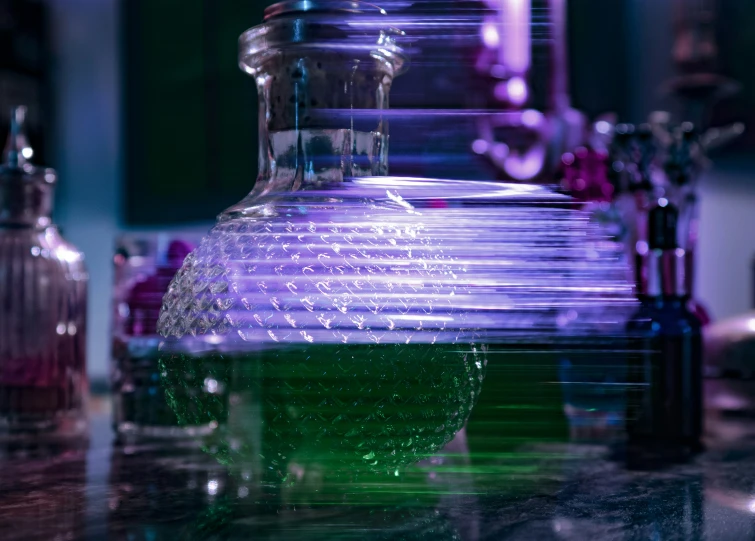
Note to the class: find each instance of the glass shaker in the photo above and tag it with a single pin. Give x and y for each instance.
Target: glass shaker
(43, 288)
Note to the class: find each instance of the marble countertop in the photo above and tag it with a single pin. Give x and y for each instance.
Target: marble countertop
(557, 491)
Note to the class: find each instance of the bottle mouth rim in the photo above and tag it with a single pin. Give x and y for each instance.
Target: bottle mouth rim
(296, 26)
(288, 7)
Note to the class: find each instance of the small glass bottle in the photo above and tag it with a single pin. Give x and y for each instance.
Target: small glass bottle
(43, 286)
(665, 404)
(144, 268)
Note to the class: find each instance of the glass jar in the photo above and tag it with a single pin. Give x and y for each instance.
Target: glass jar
(144, 266)
(340, 321)
(43, 285)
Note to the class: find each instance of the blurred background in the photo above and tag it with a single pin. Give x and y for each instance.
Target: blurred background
(141, 107)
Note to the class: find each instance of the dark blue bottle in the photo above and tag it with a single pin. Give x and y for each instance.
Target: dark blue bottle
(665, 412)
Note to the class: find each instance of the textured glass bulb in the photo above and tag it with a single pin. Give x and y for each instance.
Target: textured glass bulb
(337, 330)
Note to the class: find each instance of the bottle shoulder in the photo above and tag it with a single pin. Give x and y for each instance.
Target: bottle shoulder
(45, 244)
(64, 250)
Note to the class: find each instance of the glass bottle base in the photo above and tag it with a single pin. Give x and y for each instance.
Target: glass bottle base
(127, 431)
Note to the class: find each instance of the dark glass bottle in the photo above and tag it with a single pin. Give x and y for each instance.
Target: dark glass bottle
(665, 403)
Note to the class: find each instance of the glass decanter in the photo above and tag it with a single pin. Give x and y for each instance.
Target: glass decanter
(43, 285)
(337, 320)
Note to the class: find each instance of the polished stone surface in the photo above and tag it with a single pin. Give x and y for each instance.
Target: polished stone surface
(562, 491)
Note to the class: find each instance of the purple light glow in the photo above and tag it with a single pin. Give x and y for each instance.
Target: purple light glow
(513, 91)
(500, 151)
(525, 166)
(490, 34)
(517, 89)
(480, 146)
(532, 118)
(515, 50)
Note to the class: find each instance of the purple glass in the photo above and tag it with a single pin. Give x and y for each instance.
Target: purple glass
(43, 287)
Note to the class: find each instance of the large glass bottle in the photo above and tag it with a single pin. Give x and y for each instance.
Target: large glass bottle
(350, 313)
(43, 285)
(665, 413)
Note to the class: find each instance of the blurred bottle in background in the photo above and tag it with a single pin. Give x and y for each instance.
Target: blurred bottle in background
(43, 378)
(664, 415)
(144, 267)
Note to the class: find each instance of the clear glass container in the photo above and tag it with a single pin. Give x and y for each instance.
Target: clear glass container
(144, 265)
(340, 322)
(43, 286)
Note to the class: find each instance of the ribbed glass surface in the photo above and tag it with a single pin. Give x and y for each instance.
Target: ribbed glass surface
(42, 333)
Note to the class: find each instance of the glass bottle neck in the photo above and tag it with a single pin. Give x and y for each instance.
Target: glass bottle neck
(302, 158)
(25, 201)
(666, 274)
(321, 121)
(26, 192)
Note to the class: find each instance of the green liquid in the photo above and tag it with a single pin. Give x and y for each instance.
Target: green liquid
(339, 408)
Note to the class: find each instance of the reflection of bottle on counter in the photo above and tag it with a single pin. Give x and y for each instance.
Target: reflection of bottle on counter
(166, 492)
(140, 406)
(665, 403)
(45, 496)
